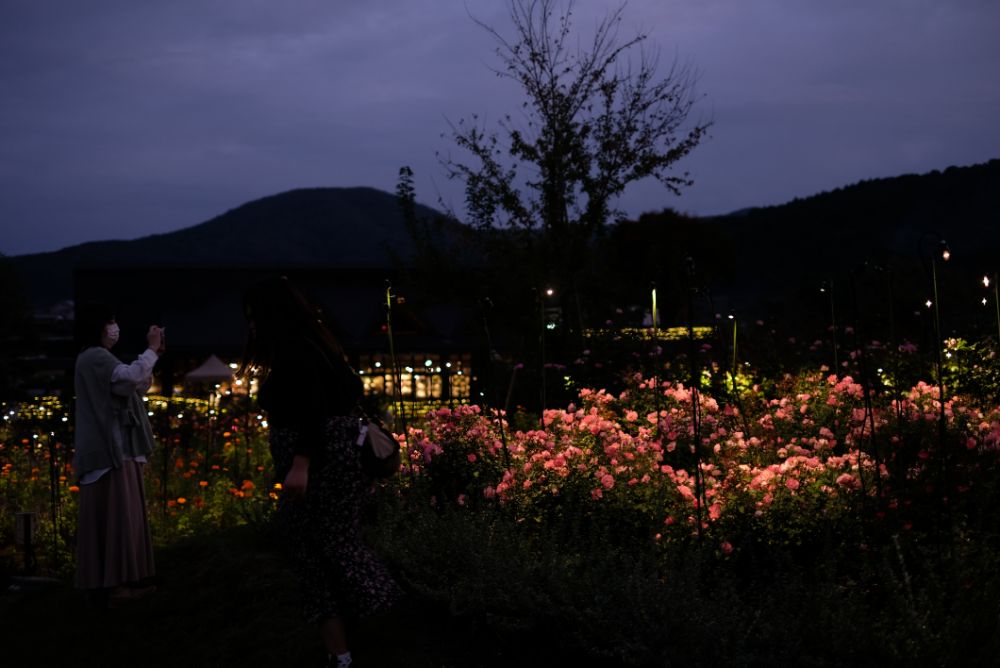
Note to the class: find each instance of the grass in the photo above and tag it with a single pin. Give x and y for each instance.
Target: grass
(915, 600)
(227, 599)
(487, 592)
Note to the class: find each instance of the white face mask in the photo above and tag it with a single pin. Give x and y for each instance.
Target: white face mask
(112, 332)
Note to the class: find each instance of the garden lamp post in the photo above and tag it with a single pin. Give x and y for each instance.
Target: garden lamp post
(732, 318)
(827, 287)
(944, 253)
(655, 320)
(543, 322)
(987, 281)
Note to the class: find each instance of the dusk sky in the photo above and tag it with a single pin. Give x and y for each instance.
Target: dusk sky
(120, 119)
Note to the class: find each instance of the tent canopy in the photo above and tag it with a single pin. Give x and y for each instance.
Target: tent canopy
(213, 370)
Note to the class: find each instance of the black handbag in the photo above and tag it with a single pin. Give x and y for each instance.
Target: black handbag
(380, 452)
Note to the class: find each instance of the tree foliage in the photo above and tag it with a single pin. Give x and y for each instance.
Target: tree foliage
(594, 120)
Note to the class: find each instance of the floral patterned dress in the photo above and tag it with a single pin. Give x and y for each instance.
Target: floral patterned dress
(339, 573)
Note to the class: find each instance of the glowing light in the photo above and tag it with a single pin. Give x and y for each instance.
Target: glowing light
(984, 301)
(448, 364)
(378, 365)
(233, 365)
(928, 303)
(945, 254)
(986, 281)
(549, 292)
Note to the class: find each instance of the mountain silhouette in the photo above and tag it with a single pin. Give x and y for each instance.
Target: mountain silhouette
(806, 238)
(317, 227)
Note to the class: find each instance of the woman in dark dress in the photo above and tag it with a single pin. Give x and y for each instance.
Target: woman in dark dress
(310, 392)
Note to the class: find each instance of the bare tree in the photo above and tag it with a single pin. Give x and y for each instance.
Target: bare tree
(594, 120)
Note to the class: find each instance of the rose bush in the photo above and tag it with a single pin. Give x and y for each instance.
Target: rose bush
(672, 463)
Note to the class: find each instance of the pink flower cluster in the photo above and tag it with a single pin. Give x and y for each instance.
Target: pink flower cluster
(807, 451)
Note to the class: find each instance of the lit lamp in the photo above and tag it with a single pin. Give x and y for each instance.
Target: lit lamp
(655, 321)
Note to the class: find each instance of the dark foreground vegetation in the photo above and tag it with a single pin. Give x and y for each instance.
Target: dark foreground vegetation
(485, 594)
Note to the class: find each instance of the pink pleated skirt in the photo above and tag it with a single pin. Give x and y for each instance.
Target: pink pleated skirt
(114, 546)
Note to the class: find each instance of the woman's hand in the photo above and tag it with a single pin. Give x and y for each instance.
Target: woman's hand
(297, 480)
(155, 339)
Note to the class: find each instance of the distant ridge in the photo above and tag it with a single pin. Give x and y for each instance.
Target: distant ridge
(343, 227)
(364, 227)
(777, 254)
(876, 219)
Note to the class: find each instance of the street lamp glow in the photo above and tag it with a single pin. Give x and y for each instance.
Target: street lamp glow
(928, 303)
(549, 292)
(986, 281)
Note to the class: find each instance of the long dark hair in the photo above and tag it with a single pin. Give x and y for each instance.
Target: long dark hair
(88, 325)
(280, 315)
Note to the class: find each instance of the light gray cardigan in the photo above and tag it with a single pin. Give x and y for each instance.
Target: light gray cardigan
(108, 426)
